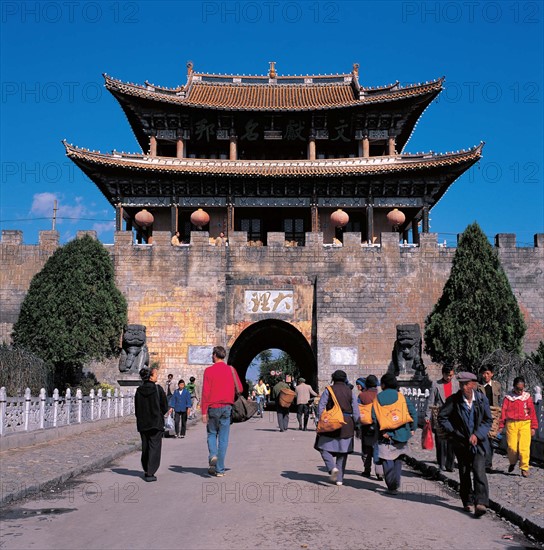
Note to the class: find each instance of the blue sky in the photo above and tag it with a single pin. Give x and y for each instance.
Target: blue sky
(53, 55)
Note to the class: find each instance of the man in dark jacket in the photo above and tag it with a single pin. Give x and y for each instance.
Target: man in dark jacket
(467, 418)
(151, 407)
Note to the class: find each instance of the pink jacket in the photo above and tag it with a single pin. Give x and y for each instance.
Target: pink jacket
(518, 407)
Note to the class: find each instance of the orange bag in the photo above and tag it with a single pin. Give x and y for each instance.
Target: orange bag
(333, 419)
(391, 417)
(365, 414)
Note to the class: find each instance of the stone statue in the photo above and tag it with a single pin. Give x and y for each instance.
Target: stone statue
(134, 354)
(406, 360)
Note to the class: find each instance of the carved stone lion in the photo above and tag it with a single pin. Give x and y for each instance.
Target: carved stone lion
(134, 354)
(406, 359)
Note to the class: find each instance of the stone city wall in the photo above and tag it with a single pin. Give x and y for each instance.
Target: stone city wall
(345, 300)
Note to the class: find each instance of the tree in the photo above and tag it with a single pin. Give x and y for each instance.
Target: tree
(477, 312)
(283, 364)
(73, 312)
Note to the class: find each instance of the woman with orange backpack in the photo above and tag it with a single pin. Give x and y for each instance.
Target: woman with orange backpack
(369, 434)
(335, 445)
(396, 420)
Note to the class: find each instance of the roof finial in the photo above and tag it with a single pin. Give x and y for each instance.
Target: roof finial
(272, 71)
(355, 71)
(189, 68)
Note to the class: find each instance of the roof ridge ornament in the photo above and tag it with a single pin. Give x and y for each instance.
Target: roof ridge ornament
(190, 66)
(272, 70)
(355, 71)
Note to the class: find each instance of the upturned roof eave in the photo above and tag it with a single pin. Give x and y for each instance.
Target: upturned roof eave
(271, 168)
(386, 94)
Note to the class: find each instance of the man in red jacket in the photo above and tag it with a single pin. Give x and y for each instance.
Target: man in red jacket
(218, 394)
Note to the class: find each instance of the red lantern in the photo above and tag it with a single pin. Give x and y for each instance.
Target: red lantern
(339, 218)
(200, 218)
(144, 218)
(395, 217)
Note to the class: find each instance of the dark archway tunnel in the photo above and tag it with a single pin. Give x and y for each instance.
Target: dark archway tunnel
(273, 334)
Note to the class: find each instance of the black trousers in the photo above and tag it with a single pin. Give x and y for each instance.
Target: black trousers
(444, 453)
(472, 491)
(151, 450)
(303, 411)
(180, 417)
(283, 417)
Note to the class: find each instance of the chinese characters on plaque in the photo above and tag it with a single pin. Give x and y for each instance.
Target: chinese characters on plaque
(269, 301)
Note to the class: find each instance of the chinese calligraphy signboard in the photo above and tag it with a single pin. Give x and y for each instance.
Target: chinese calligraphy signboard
(269, 301)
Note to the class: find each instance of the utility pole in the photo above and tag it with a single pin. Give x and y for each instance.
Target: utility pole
(54, 215)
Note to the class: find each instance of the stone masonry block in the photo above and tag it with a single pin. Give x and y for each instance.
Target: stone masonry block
(49, 239)
(275, 239)
(200, 238)
(352, 240)
(12, 236)
(122, 238)
(162, 239)
(505, 240)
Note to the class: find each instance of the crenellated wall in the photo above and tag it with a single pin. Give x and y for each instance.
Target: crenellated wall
(346, 301)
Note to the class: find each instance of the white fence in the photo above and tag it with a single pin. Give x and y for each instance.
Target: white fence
(29, 413)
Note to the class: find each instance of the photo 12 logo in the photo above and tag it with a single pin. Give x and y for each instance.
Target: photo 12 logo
(270, 12)
(471, 12)
(51, 92)
(69, 12)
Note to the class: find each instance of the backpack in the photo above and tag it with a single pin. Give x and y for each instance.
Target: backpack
(333, 419)
(392, 417)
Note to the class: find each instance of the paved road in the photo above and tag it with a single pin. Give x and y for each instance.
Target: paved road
(274, 495)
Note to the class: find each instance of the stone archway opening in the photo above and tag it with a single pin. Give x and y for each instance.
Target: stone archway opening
(273, 334)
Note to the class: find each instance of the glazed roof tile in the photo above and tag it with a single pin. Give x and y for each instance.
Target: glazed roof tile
(264, 94)
(275, 168)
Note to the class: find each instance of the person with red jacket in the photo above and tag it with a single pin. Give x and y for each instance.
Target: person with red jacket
(519, 417)
(220, 384)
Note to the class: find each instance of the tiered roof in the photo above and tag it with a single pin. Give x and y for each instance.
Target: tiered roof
(274, 168)
(260, 93)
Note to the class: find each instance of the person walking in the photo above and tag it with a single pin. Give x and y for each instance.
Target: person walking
(180, 403)
(195, 398)
(336, 445)
(396, 421)
(440, 391)
(261, 391)
(169, 387)
(151, 407)
(282, 413)
(368, 431)
(303, 394)
(466, 416)
(518, 415)
(221, 382)
(493, 391)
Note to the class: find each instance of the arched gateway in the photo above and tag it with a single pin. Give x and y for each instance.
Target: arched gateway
(273, 334)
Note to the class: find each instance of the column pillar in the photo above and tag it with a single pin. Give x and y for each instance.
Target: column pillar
(119, 217)
(311, 148)
(370, 224)
(233, 148)
(180, 148)
(425, 220)
(365, 147)
(230, 218)
(173, 219)
(315, 218)
(391, 146)
(415, 231)
(153, 146)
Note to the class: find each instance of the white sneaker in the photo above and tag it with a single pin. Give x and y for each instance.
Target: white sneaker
(334, 475)
(339, 483)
